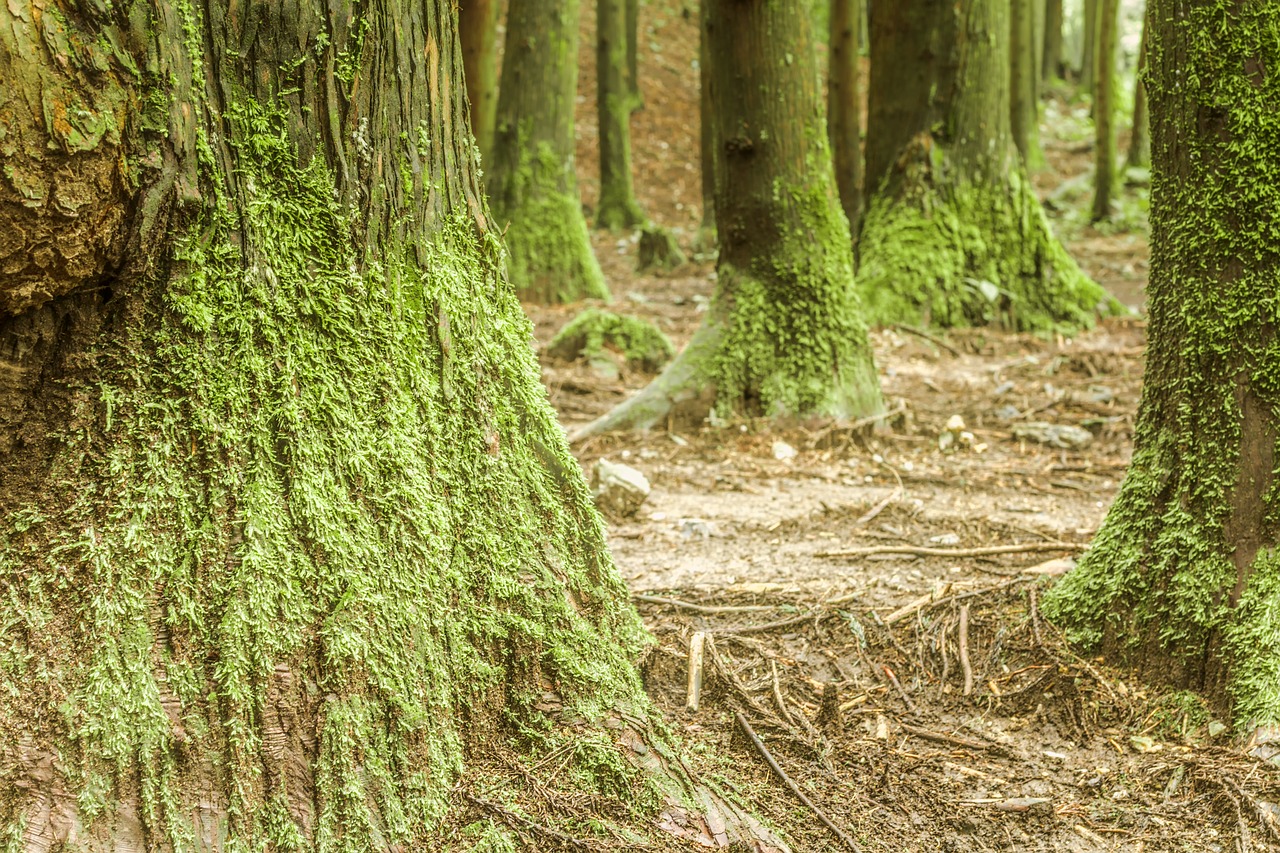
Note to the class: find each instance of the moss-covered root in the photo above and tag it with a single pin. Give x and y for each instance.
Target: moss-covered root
(970, 254)
(755, 356)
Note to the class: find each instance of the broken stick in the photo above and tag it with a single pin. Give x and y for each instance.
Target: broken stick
(988, 551)
(695, 670)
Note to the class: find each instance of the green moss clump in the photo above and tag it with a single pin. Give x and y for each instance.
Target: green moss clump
(969, 253)
(593, 332)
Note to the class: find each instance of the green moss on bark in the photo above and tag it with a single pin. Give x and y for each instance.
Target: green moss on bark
(970, 253)
(1182, 580)
(593, 331)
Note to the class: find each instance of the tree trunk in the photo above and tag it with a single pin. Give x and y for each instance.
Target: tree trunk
(478, 32)
(954, 234)
(1051, 66)
(1183, 580)
(531, 184)
(1104, 109)
(633, 58)
(844, 104)
(291, 538)
(1140, 139)
(706, 239)
(614, 100)
(784, 334)
(1024, 104)
(1089, 38)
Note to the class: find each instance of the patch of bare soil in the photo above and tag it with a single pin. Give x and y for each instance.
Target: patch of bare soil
(841, 582)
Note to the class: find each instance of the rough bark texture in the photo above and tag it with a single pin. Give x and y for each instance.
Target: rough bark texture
(615, 101)
(1104, 109)
(954, 234)
(1051, 58)
(844, 106)
(784, 334)
(1024, 106)
(478, 32)
(290, 536)
(1139, 155)
(531, 181)
(1183, 580)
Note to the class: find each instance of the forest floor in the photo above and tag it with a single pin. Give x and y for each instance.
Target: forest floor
(955, 718)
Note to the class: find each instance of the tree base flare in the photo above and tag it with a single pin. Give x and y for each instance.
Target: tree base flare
(961, 252)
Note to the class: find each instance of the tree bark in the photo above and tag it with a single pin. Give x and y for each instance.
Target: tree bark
(1183, 580)
(633, 54)
(1139, 155)
(1104, 109)
(531, 184)
(291, 538)
(478, 32)
(1024, 103)
(706, 239)
(784, 335)
(1088, 61)
(615, 100)
(953, 233)
(844, 106)
(1051, 66)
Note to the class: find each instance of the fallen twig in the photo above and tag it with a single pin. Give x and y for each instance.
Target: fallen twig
(518, 822)
(964, 649)
(702, 608)
(897, 685)
(794, 788)
(954, 740)
(921, 333)
(988, 551)
(781, 623)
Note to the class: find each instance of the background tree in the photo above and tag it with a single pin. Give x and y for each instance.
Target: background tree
(784, 335)
(1104, 109)
(706, 238)
(1183, 580)
(844, 105)
(290, 534)
(616, 98)
(954, 233)
(1139, 155)
(478, 32)
(1051, 57)
(531, 181)
(1024, 91)
(1089, 37)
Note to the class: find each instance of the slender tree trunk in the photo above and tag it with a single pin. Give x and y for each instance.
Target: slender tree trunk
(1183, 580)
(290, 539)
(532, 185)
(1104, 109)
(844, 105)
(478, 32)
(1088, 62)
(706, 240)
(954, 234)
(1140, 139)
(1024, 104)
(614, 100)
(784, 335)
(633, 58)
(1051, 65)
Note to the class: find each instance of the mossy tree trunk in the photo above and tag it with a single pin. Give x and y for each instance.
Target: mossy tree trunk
(1104, 108)
(1183, 580)
(953, 233)
(615, 101)
(1051, 57)
(633, 54)
(531, 182)
(290, 539)
(844, 106)
(478, 33)
(1024, 103)
(784, 334)
(1139, 155)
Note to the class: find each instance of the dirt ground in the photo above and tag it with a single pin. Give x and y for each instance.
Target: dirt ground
(919, 701)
